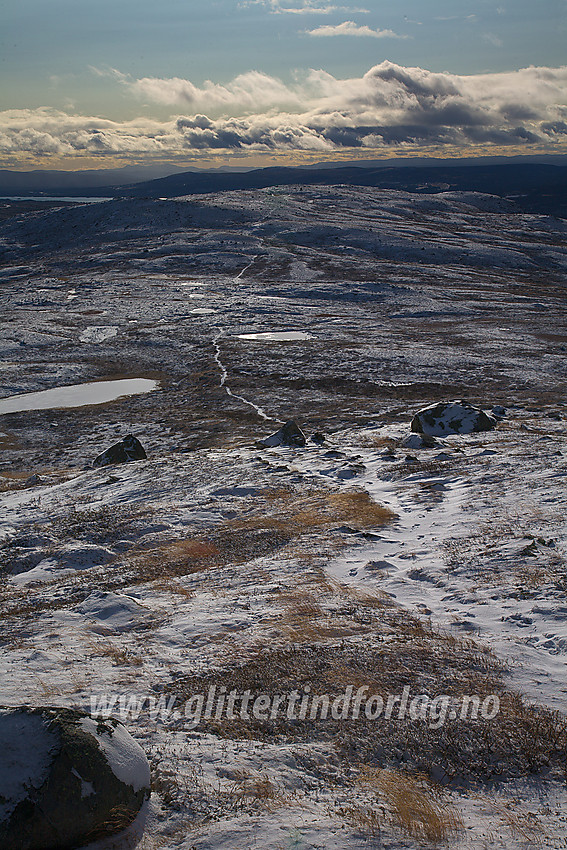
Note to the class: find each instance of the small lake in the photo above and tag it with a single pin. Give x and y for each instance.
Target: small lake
(276, 336)
(77, 395)
(67, 200)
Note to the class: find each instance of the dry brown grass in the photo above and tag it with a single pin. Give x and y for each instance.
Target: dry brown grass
(367, 600)
(307, 621)
(415, 807)
(283, 516)
(298, 513)
(245, 791)
(357, 507)
(173, 559)
(523, 826)
(318, 608)
(257, 789)
(169, 585)
(120, 656)
(13, 475)
(364, 819)
(280, 520)
(534, 729)
(191, 549)
(398, 652)
(304, 631)
(48, 689)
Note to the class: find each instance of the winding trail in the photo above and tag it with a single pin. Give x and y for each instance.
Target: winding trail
(224, 376)
(222, 368)
(251, 263)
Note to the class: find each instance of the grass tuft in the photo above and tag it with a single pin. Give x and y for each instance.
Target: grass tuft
(416, 809)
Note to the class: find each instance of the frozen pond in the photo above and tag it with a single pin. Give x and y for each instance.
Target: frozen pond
(276, 336)
(77, 395)
(77, 200)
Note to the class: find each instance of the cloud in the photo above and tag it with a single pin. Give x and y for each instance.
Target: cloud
(300, 7)
(250, 91)
(391, 107)
(469, 18)
(492, 39)
(350, 28)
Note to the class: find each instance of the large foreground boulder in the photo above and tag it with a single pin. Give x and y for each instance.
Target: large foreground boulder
(66, 779)
(451, 417)
(128, 449)
(289, 434)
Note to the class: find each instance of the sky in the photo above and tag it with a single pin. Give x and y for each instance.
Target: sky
(259, 82)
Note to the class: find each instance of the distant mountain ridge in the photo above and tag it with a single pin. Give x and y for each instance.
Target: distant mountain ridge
(60, 182)
(534, 187)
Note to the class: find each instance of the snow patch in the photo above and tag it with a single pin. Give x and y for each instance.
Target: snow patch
(98, 333)
(125, 757)
(118, 612)
(299, 271)
(82, 556)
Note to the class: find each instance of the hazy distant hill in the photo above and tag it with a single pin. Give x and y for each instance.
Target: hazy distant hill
(60, 182)
(534, 187)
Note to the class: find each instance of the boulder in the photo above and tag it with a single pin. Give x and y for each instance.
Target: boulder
(451, 417)
(318, 438)
(419, 441)
(289, 434)
(66, 779)
(128, 449)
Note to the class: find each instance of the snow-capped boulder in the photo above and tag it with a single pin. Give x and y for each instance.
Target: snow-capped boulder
(451, 417)
(66, 779)
(419, 441)
(128, 449)
(289, 434)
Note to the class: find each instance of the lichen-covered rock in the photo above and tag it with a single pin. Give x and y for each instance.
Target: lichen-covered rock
(66, 779)
(289, 434)
(128, 449)
(451, 417)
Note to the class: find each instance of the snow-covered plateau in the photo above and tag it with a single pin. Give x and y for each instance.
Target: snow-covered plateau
(213, 596)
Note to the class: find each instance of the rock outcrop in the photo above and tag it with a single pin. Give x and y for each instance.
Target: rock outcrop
(289, 434)
(128, 449)
(451, 417)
